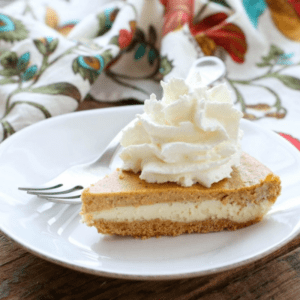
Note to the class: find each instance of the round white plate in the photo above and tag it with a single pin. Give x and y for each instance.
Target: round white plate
(54, 232)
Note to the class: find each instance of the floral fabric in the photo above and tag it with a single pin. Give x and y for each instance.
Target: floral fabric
(54, 54)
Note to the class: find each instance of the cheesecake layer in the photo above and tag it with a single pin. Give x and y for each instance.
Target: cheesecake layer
(185, 212)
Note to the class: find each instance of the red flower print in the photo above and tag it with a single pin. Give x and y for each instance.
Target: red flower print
(296, 5)
(126, 36)
(291, 139)
(177, 13)
(215, 31)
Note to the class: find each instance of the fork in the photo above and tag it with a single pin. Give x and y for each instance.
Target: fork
(76, 178)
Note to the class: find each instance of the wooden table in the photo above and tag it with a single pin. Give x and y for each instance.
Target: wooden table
(25, 276)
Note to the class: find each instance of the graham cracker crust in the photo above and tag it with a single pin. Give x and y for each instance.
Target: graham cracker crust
(157, 227)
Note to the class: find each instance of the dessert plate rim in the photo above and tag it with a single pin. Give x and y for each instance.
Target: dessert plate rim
(10, 200)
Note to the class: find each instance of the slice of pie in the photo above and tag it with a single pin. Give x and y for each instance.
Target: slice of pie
(123, 204)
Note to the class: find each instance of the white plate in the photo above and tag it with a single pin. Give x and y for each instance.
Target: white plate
(53, 231)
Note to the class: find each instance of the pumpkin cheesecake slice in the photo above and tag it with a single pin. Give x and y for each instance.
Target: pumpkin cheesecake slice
(124, 204)
(183, 169)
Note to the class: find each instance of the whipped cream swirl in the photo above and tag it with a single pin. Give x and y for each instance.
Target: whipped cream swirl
(191, 135)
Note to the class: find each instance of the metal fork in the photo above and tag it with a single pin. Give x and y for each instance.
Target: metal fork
(76, 178)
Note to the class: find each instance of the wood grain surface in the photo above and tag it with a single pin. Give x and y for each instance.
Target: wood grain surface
(25, 276)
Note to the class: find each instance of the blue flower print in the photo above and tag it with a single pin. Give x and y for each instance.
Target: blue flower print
(254, 9)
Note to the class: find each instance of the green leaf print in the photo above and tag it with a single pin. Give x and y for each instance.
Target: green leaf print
(36, 105)
(274, 53)
(114, 40)
(107, 56)
(240, 99)
(61, 88)
(11, 29)
(9, 59)
(275, 62)
(166, 65)
(289, 81)
(46, 46)
(7, 129)
(53, 45)
(7, 81)
(40, 46)
(106, 19)
(263, 64)
(102, 27)
(9, 72)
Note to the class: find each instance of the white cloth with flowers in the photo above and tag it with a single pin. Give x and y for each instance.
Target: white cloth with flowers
(54, 54)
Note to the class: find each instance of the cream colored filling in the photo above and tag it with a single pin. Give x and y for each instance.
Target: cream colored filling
(185, 212)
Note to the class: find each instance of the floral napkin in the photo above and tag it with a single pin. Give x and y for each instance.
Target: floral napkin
(54, 54)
